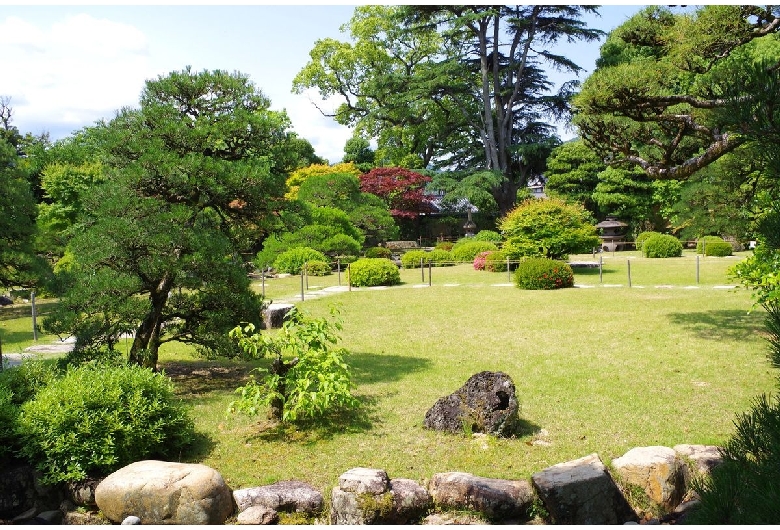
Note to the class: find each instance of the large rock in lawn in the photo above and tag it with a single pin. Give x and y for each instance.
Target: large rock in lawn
(582, 492)
(485, 403)
(165, 493)
(703, 457)
(496, 499)
(657, 470)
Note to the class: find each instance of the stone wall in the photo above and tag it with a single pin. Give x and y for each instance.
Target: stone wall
(647, 484)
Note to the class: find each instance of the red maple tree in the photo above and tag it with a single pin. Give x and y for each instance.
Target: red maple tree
(403, 189)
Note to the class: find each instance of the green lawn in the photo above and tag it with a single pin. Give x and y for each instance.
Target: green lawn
(597, 370)
(600, 369)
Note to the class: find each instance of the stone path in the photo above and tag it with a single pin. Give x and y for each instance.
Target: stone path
(39, 351)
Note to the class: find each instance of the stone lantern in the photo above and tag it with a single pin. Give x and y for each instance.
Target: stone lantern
(611, 233)
(470, 227)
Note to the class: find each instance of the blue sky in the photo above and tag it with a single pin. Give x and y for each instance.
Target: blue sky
(65, 67)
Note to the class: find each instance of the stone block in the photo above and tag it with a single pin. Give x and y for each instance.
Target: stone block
(582, 492)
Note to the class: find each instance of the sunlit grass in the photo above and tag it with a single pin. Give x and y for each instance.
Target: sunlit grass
(597, 370)
(600, 369)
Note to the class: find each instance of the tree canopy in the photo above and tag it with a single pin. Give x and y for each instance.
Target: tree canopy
(664, 95)
(192, 177)
(461, 87)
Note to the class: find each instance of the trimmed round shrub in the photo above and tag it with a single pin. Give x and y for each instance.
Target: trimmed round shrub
(411, 259)
(318, 268)
(543, 274)
(291, 261)
(714, 246)
(466, 249)
(445, 245)
(369, 272)
(440, 258)
(662, 246)
(495, 261)
(341, 245)
(487, 235)
(97, 419)
(379, 252)
(641, 238)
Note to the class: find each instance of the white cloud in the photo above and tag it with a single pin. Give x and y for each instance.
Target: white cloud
(72, 72)
(327, 136)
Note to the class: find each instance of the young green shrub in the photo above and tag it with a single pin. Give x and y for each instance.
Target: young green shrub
(28, 378)
(641, 238)
(714, 246)
(495, 261)
(466, 249)
(9, 412)
(370, 272)
(543, 274)
(308, 378)
(440, 258)
(291, 261)
(378, 252)
(551, 224)
(487, 235)
(662, 246)
(411, 259)
(318, 268)
(97, 419)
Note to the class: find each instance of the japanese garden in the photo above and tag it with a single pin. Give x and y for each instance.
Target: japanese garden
(464, 302)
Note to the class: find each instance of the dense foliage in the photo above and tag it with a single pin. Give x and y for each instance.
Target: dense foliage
(543, 274)
(196, 173)
(487, 235)
(713, 246)
(549, 227)
(97, 419)
(378, 252)
(370, 272)
(453, 86)
(309, 378)
(318, 268)
(662, 246)
(644, 236)
(465, 250)
(293, 260)
(403, 190)
(414, 259)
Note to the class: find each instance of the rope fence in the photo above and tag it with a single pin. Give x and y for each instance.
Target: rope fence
(626, 271)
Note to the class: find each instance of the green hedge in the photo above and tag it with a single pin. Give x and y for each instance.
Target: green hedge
(543, 274)
(411, 259)
(370, 272)
(662, 246)
(713, 246)
(318, 268)
(644, 236)
(378, 252)
(466, 249)
(291, 261)
(97, 419)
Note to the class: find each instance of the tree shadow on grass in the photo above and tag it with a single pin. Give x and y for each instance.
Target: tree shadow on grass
(728, 324)
(309, 432)
(368, 368)
(201, 447)
(196, 378)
